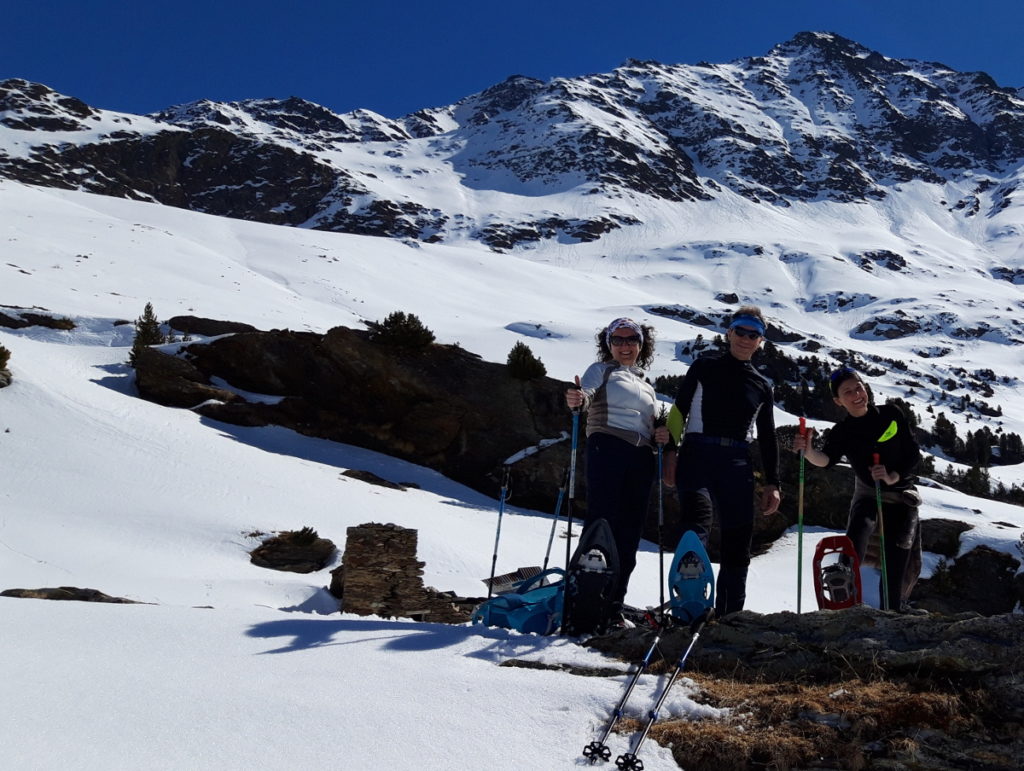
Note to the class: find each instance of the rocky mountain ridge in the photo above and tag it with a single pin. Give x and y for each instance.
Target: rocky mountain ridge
(818, 118)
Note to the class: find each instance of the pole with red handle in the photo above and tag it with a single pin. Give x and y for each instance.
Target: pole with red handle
(881, 536)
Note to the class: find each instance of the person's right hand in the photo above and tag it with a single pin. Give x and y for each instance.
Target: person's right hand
(574, 396)
(803, 441)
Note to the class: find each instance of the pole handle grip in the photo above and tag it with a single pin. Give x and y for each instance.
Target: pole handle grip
(803, 426)
(876, 458)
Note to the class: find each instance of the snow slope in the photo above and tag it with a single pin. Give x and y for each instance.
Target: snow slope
(231, 666)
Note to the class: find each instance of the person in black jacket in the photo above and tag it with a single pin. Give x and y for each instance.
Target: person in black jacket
(722, 400)
(866, 431)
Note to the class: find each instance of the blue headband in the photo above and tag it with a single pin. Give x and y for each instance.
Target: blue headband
(749, 321)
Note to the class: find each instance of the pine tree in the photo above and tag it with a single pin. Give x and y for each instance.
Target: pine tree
(523, 365)
(147, 332)
(5, 356)
(401, 330)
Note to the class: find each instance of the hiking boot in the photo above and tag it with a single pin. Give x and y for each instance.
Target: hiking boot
(619, 622)
(912, 610)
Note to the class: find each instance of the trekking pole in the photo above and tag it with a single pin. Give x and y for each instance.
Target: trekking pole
(572, 484)
(598, 750)
(661, 522)
(554, 521)
(800, 523)
(881, 536)
(506, 473)
(629, 761)
(566, 597)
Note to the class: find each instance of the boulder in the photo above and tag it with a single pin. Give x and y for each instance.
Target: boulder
(299, 551)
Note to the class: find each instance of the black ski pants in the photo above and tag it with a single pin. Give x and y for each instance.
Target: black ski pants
(902, 537)
(619, 477)
(719, 478)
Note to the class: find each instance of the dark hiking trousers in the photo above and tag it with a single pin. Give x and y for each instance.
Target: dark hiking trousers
(902, 538)
(719, 478)
(619, 477)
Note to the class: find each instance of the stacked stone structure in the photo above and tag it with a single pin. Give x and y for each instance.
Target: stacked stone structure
(380, 576)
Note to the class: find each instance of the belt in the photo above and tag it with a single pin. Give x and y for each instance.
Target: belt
(719, 441)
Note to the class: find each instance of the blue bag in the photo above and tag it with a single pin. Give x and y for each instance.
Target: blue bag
(533, 606)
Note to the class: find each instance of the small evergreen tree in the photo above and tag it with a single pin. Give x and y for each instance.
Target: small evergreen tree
(5, 356)
(523, 365)
(147, 332)
(401, 330)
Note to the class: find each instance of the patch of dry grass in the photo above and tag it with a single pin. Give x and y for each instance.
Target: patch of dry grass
(794, 725)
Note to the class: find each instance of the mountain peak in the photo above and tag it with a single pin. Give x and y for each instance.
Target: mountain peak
(823, 42)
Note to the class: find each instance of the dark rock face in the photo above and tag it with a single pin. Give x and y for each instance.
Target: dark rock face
(942, 536)
(194, 325)
(982, 580)
(174, 382)
(440, 407)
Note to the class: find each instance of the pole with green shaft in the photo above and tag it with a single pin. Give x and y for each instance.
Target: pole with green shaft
(881, 536)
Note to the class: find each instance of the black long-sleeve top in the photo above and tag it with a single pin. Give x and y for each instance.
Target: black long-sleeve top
(724, 397)
(858, 438)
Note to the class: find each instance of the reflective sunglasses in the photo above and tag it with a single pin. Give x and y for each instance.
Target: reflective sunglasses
(618, 340)
(750, 334)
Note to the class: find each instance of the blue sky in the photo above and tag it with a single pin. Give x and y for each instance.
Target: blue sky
(398, 56)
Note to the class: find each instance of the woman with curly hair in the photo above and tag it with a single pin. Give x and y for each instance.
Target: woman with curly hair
(621, 408)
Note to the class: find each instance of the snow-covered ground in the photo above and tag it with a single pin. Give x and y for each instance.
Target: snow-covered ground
(228, 665)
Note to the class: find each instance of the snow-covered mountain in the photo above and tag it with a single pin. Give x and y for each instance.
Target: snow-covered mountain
(818, 118)
(871, 204)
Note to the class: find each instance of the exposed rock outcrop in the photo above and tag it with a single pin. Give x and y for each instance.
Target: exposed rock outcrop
(857, 688)
(439, 406)
(65, 593)
(298, 551)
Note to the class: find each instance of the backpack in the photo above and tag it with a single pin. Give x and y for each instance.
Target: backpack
(534, 606)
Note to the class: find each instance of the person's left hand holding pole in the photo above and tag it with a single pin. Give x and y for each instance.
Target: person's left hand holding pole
(574, 396)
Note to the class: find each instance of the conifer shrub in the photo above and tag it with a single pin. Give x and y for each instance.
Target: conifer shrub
(147, 332)
(5, 356)
(523, 365)
(401, 330)
(307, 536)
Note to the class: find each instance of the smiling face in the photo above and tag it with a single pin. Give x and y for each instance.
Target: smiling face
(625, 346)
(743, 342)
(852, 396)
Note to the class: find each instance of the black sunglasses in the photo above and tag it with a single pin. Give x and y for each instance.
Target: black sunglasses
(620, 340)
(750, 334)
